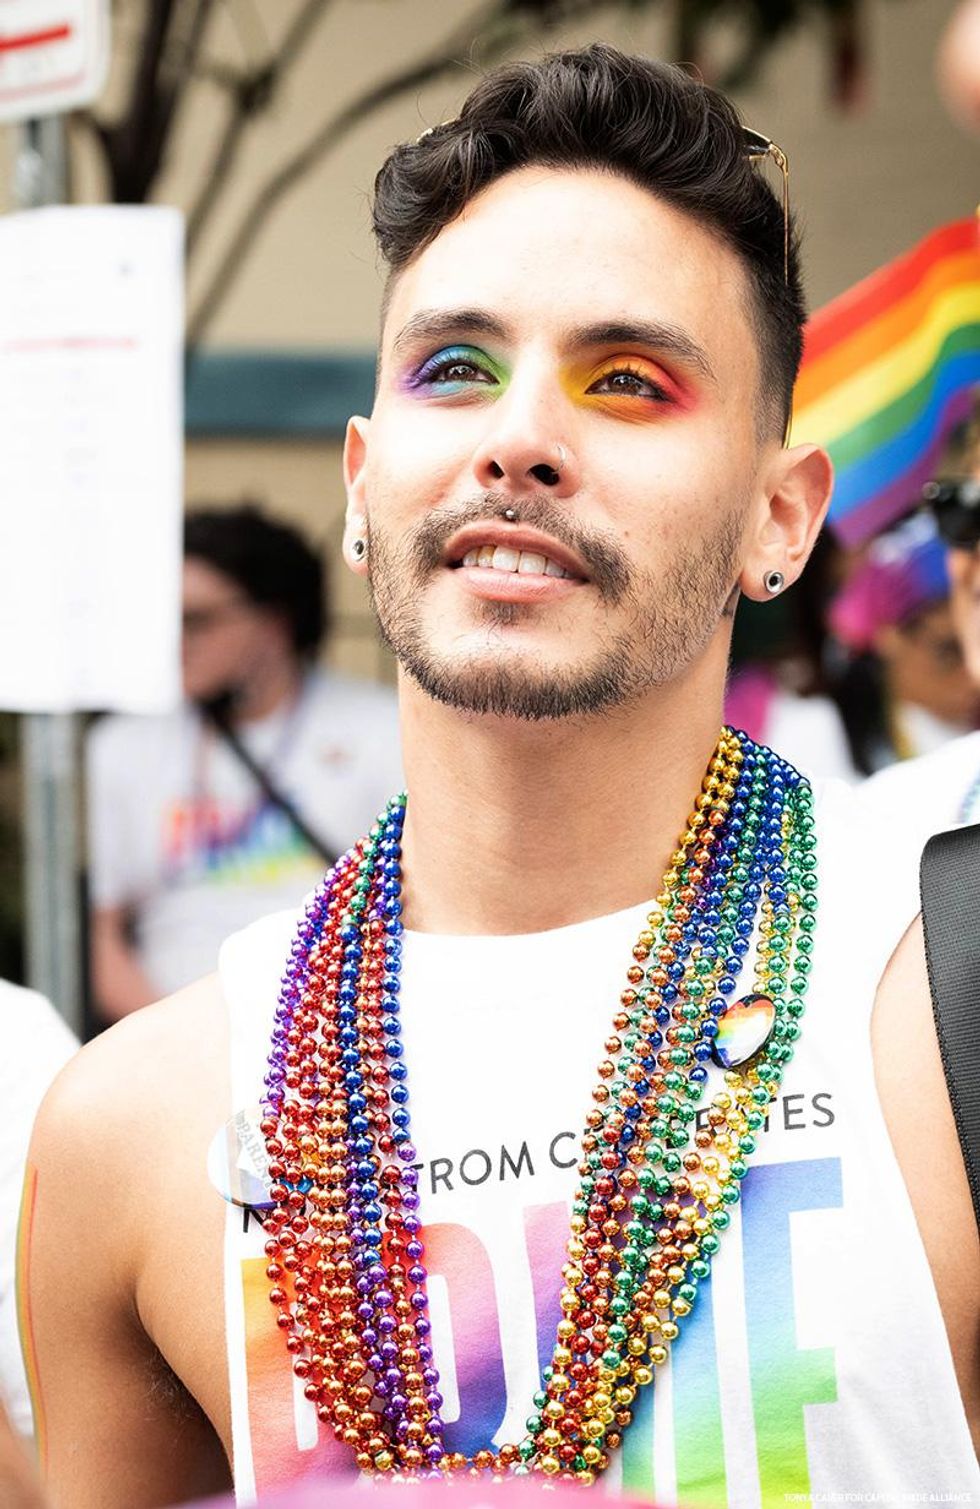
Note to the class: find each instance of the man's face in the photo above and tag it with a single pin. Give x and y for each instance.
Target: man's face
(925, 666)
(958, 63)
(574, 353)
(224, 632)
(964, 578)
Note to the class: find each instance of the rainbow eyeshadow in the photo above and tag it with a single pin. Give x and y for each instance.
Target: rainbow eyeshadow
(457, 369)
(626, 385)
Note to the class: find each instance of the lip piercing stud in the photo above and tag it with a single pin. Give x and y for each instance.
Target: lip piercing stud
(773, 581)
(358, 549)
(510, 514)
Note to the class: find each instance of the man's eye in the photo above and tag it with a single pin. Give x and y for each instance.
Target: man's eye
(455, 369)
(631, 384)
(459, 372)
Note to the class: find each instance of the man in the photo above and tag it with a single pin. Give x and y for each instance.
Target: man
(573, 467)
(907, 685)
(942, 789)
(185, 844)
(958, 63)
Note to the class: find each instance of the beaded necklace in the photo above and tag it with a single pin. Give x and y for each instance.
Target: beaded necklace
(659, 1169)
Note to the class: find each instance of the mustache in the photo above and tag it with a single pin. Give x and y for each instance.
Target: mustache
(607, 565)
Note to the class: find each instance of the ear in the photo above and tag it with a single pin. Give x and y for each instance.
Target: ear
(795, 495)
(355, 484)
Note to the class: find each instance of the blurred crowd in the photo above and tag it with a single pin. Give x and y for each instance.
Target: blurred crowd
(877, 658)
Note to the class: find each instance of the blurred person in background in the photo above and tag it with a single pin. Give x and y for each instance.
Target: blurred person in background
(204, 819)
(777, 689)
(958, 64)
(943, 789)
(904, 686)
(34, 1045)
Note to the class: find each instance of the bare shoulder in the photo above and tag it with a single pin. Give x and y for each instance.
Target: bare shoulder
(119, 1113)
(915, 1101)
(122, 1242)
(135, 1061)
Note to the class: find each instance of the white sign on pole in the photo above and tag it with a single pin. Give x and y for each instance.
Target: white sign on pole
(91, 474)
(54, 55)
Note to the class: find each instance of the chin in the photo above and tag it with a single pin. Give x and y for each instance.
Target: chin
(196, 691)
(527, 686)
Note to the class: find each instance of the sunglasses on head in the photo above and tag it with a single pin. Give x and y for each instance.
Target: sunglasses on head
(955, 506)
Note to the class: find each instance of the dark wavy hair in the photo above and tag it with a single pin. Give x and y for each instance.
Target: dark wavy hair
(604, 109)
(271, 562)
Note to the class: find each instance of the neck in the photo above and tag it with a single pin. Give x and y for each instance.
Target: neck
(269, 689)
(515, 827)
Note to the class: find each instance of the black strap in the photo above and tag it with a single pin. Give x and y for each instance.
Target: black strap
(217, 712)
(949, 879)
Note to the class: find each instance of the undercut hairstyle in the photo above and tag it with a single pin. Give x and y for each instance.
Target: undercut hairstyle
(270, 561)
(601, 109)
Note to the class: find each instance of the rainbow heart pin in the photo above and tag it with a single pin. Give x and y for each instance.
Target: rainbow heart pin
(743, 1029)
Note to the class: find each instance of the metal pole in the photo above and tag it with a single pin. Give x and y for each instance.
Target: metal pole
(49, 744)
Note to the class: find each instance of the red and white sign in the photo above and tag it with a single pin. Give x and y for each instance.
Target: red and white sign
(53, 55)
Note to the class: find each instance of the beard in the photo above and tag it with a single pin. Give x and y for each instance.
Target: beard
(661, 621)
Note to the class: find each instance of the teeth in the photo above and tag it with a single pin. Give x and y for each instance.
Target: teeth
(503, 558)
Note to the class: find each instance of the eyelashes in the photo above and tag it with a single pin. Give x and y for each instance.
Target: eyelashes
(630, 380)
(456, 368)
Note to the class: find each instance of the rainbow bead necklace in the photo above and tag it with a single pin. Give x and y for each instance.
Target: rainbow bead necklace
(656, 1178)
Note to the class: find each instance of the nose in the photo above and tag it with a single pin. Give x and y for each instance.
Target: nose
(527, 449)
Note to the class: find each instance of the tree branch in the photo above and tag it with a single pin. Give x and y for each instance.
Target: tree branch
(121, 141)
(135, 144)
(501, 25)
(252, 94)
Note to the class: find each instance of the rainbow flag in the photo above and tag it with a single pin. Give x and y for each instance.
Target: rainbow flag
(888, 370)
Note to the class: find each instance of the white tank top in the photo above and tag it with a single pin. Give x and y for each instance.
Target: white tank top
(815, 1361)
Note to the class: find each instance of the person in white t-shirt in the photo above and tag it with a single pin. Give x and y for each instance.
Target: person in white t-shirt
(185, 845)
(491, 1050)
(907, 686)
(942, 789)
(35, 1044)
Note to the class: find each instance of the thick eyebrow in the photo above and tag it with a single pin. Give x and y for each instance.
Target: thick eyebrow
(440, 324)
(669, 339)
